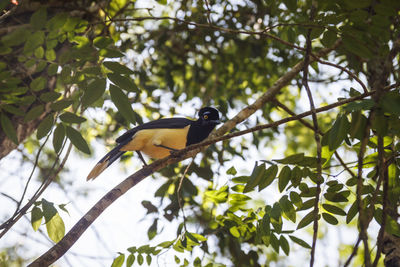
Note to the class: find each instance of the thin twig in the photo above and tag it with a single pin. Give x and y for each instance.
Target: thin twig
(383, 176)
(362, 218)
(178, 192)
(316, 136)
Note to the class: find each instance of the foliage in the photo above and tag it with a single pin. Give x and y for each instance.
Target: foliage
(56, 67)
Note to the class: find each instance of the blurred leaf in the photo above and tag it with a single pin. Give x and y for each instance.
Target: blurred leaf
(300, 241)
(122, 103)
(94, 91)
(123, 82)
(58, 137)
(255, 177)
(61, 104)
(117, 67)
(8, 128)
(49, 96)
(45, 126)
(338, 132)
(292, 159)
(269, 176)
(69, 117)
(284, 178)
(38, 19)
(38, 84)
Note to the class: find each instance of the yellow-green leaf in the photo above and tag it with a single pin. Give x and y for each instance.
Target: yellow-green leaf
(36, 218)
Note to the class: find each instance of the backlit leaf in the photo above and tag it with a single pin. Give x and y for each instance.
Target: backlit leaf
(36, 218)
(299, 241)
(117, 67)
(306, 220)
(269, 176)
(118, 261)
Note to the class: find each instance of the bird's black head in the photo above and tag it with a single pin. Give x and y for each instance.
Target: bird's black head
(209, 116)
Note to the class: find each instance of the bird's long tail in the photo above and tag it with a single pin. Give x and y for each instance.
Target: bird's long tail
(106, 161)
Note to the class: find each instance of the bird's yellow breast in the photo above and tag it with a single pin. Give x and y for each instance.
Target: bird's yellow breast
(147, 140)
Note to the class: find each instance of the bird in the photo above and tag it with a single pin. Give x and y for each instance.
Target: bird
(159, 138)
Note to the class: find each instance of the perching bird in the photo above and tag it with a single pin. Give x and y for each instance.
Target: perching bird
(158, 138)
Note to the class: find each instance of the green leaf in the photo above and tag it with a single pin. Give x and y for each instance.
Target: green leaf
(49, 96)
(12, 109)
(329, 38)
(356, 46)
(299, 242)
(69, 117)
(329, 218)
(306, 220)
(338, 132)
(284, 244)
(352, 212)
(102, 42)
(391, 103)
(152, 231)
(166, 244)
(50, 55)
(110, 53)
(55, 228)
(274, 243)
(117, 67)
(334, 209)
(36, 218)
(94, 91)
(234, 231)
(287, 208)
(38, 19)
(16, 37)
(58, 137)
(54, 224)
(255, 177)
(39, 52)
(122, 103)
(77, 140)
(231, 171)
(8, 128)
(269, 176)
(283, 178)
(123, 82)
(140, 259)
(45, 126)
(292, 159)
(118, 261)
(34, 40)
(38, 84)
(148, 259)
(61, 104)
(130, 260)
(336, 197)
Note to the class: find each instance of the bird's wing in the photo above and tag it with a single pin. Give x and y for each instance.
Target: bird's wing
(171, 123)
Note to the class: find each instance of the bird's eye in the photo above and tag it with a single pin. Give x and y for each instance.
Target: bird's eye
(205, 117)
